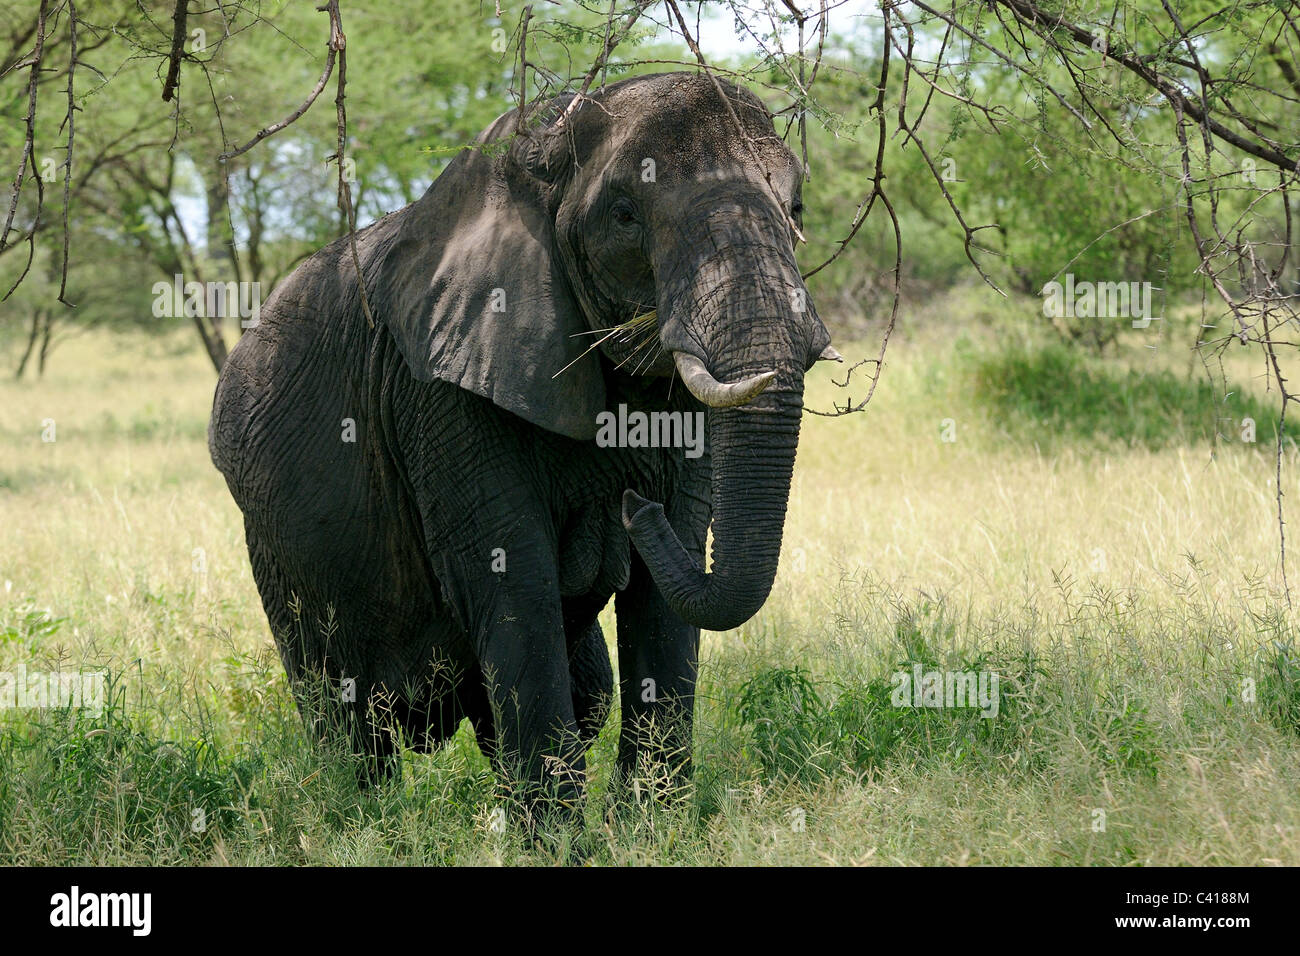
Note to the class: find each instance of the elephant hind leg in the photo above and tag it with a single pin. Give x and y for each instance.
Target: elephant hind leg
(592, 679)
(339, 706)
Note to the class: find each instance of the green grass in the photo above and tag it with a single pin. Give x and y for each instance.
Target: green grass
(1063, 396)
(1081, 536)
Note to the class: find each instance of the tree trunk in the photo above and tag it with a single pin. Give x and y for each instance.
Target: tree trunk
(31, 343)
(45, 343)
(220, 246)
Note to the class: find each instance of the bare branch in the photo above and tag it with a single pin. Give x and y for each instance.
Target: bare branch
(35, 62)
(338, 43)
(330, 55)
(67, 158)
(173, 80)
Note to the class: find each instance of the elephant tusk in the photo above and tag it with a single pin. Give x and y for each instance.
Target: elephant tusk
(713, 393)
(830, 355)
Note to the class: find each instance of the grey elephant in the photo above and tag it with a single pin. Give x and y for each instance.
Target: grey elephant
(433, 515)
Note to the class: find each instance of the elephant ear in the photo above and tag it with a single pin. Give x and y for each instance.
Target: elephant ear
(472, 290)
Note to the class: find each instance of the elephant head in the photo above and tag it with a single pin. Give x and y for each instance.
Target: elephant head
(669, 194)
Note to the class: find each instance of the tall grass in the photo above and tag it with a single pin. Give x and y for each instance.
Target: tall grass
(1081, 536)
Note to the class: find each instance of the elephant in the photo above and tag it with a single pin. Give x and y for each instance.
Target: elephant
(437, 505)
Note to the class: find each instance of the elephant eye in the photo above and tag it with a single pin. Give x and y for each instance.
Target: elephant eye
(624, 212)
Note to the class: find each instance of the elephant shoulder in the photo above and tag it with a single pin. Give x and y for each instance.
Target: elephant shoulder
(323, 289)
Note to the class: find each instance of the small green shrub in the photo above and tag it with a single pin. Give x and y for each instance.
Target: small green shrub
(1062, 395)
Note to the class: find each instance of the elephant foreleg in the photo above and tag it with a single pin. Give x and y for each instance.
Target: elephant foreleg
(537, 748)
(657, 663)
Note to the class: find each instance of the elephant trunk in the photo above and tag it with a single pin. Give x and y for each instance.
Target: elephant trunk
(753, 452)
(736, 318)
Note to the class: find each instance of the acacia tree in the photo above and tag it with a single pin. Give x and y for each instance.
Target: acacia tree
(137, 158)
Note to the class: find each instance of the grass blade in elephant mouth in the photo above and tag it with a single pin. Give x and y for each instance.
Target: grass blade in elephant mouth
(644, 325)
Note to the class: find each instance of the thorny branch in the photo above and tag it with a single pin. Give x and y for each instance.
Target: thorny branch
(331, 55)
(67, 158)
(335, 52)
(864, 210)
(338, 42)
(612, 39)
(34, 61)
(179, 17)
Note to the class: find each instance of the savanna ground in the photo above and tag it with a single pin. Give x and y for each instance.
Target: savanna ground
(1079, 533)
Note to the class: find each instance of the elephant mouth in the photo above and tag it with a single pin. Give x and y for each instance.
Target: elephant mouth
(633, 344)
